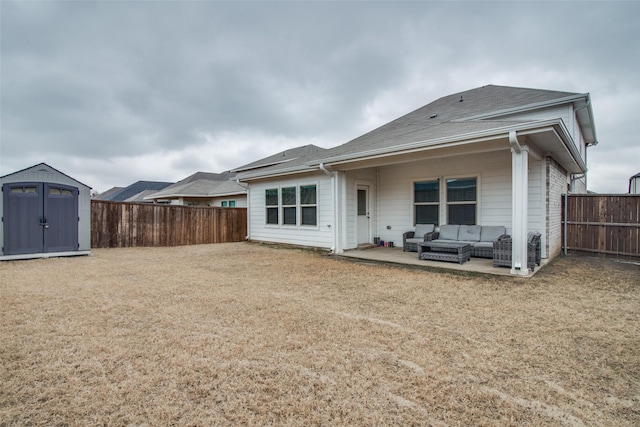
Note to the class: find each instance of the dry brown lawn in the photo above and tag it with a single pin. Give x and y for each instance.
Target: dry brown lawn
(248, 334)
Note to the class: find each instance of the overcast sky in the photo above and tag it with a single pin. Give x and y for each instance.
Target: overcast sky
(114, 92)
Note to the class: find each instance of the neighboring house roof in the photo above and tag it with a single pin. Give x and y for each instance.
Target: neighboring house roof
(140, 197)
(133, 190)
(479, 112)
(286, 156)
(201, 184)
(106, 194)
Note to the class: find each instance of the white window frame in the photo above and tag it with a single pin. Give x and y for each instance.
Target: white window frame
(438, 203)
(298, 206)
(294, 206)
(446, 203)
(267, 207)
(308, 205)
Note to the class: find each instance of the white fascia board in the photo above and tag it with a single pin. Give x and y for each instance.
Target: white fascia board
(466, 138)
(151, 197)
(558, 127)
(279, 172)
(528, 107)
(265, 165)
(231, 193)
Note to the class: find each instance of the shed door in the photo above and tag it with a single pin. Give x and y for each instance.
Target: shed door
(39, 217)
(61, 218)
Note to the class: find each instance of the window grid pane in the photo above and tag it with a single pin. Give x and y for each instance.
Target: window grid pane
(426, 191)
(309, 215)
(308, 195)
(289, 216)
(462, 214)
(461, 190)
(427, 214)
(271, 197)
(272, 216)
(289, 196)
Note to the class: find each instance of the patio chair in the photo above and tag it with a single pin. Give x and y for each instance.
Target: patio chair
(410, 239)
(502, 250)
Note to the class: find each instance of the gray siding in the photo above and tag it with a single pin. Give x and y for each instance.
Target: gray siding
(44, 173)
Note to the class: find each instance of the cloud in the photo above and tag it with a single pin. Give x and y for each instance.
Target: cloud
(114, 92)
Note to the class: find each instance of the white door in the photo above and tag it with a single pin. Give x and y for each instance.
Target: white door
(363, 214)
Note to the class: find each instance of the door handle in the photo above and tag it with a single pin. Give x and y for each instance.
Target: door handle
(44, 223)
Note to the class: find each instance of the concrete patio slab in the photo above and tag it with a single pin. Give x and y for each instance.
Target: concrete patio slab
(397, 256)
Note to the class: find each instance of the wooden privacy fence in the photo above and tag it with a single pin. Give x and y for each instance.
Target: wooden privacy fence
(118, 225)
(607, 225)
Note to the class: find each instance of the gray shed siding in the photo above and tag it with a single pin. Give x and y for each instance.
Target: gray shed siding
(47, 174)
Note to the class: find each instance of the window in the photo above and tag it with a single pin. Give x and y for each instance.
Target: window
(232, 203)
(223, 204)
(228, 204)
(290, 200)
(461, 201)
(271, 201)
(289, 209)
(308, 205)
(426, 200)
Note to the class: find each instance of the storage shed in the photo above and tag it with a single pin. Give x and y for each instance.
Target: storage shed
(634, 184)
(45, 213)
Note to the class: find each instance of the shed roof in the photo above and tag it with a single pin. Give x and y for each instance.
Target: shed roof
(44, 168)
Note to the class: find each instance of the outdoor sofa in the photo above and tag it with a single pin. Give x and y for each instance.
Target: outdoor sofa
(480, 237)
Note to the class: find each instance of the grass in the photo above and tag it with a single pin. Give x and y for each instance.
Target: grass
(253, 335)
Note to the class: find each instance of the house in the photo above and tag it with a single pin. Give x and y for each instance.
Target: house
(203, 189)
(133, 192)
(44, 213)
(493, 155)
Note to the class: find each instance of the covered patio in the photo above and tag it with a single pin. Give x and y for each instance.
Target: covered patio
(396, 255)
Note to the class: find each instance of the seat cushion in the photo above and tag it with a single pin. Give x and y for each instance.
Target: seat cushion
(415, 240)
(448, 232)
(422, 229)
(469, 233)
(490, 233)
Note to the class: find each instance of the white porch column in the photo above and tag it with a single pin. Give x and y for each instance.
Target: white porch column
(519, 208)
(338, 232)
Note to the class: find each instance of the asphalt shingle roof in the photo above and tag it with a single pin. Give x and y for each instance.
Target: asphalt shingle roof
(460, 114)
(202, 184)
(135, 188)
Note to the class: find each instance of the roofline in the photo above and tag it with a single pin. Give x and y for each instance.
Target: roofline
(164, 196)
(43, 163)
(521, 108)
(467, 138)
(543, 104)
(265, 165)
(288, 171)
(417, 145)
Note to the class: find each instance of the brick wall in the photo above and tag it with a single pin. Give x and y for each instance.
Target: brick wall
(556, 187)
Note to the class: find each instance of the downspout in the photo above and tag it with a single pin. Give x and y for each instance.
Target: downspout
(334, 189)
(248, 236)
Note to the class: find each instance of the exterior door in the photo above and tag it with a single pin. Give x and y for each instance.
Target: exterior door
(39, 217)
(61, 218)
(363, 214)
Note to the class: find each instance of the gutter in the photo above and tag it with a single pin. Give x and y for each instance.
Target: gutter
(467, 138)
